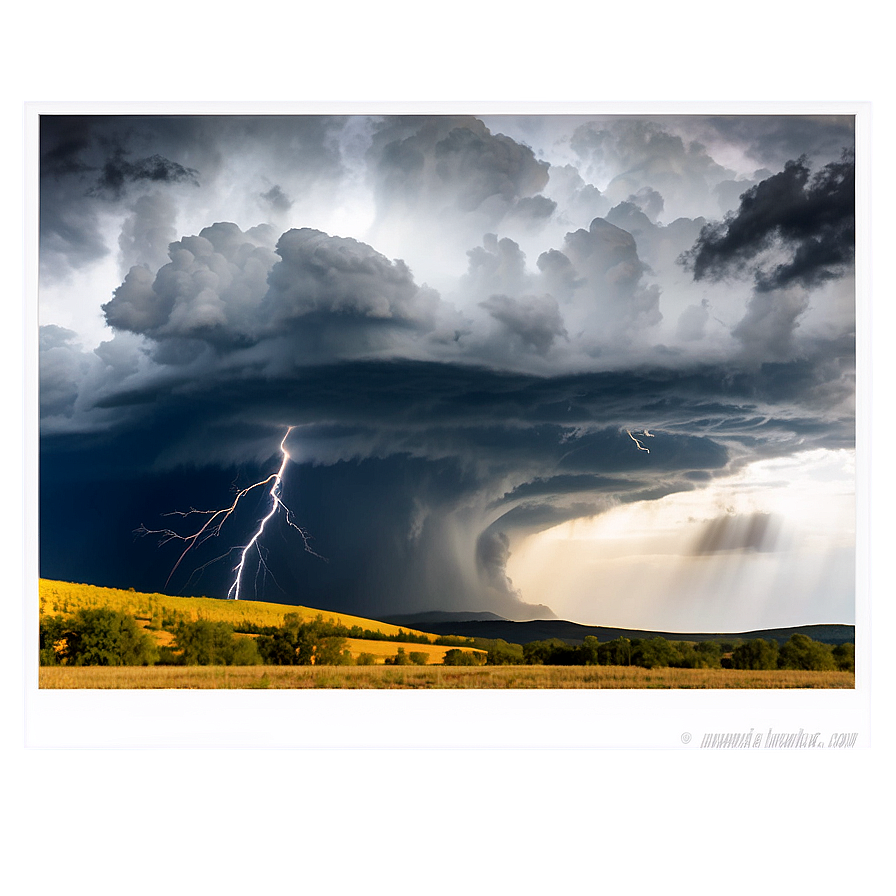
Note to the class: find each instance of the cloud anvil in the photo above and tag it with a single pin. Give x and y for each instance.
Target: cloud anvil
(596, 366)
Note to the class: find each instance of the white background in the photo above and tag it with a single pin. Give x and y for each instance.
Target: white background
(450, 791)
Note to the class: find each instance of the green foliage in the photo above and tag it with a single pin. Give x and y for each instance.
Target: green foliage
(100, 637)
(845, 657)
(501, 653)
(755, 654)
(709, 654)
(455, 641)
(331, 651)
(52, 640)
(456, 657)
(205, 643)
(418, 658)
(365, 659)
(801, 652)
(651, 653)
(300, 643)
(617, 652)
(245, 652)
(400, 659)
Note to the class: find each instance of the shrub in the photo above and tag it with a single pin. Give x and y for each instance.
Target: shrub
(332, 652)
(365, 659)
(845, 657)
(418, 658)
(457, 657)
(205, 643)
(501, 653)
(103, 637)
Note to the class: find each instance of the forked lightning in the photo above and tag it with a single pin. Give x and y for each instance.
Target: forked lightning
(217, 518)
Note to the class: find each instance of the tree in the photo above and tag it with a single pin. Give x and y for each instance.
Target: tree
(590, 651)
(755, 654)
(801, 652)
(52, 640)
(332, 652)
(652, 653)
(418, 657)
(245, 652)
(104, 637)
(709, 654)
(845, 657)
(205, 643)
(456, 657)
(500, 653)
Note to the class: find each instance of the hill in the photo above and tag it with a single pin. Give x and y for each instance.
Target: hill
(67, 597)
(574, 633)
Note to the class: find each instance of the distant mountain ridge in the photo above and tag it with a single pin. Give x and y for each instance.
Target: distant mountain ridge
(489, 625)
(440, 616)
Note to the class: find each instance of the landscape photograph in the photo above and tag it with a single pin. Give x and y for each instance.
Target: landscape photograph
(408, 399)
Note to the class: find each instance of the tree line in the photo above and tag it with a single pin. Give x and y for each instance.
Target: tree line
(107, 637)
(798, 652)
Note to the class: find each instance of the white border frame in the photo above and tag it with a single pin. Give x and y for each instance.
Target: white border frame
(612, 818)
(586, 719)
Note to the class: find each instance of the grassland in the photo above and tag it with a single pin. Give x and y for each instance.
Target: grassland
(482, 677)
(66, 597)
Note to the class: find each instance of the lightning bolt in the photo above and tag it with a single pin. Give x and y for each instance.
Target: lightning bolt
(216, 519)
(637, 441)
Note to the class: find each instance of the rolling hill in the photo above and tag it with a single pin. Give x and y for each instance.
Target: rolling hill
(574, 632)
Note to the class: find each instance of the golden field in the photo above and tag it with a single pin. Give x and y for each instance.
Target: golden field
(67, 597)
(377, 677)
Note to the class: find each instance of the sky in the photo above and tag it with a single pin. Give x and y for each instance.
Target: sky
(593, 367)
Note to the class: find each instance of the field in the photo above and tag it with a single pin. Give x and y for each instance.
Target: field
(374, 677)
(66, 597)
(148, 609)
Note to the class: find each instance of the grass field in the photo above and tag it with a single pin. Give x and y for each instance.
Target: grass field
(67, 597)
(613, 677)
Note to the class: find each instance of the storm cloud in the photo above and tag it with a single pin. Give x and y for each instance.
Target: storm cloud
(463, 339)
(810, 218)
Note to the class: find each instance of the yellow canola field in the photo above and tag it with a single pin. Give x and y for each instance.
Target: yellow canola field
(66, 598)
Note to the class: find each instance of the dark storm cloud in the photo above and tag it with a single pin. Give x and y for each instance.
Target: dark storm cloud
(118, 172)
(89, 164)
(431, 428)
(771, 140)
(812, 218)
(567, 483)
(65, 156)
(62, 367)
(400, 467)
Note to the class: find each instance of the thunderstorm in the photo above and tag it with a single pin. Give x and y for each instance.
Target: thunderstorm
(217, 518)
